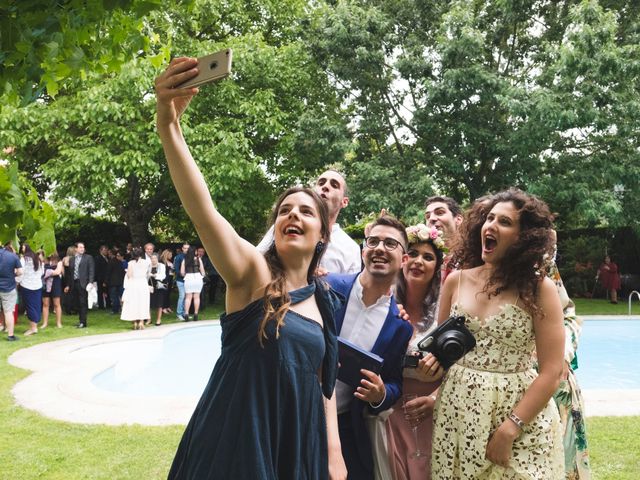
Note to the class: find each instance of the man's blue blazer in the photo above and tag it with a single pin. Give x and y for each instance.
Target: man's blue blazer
(391, 345)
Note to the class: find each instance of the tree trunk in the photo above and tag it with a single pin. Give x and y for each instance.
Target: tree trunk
(138, 227)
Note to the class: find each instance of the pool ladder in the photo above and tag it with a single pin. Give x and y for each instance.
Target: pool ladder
(637, 294)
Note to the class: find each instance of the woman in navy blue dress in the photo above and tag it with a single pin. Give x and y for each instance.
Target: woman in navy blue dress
(266, 412)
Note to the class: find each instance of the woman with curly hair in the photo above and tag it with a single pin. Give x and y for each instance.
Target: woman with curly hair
(494, 417)
(265, 412)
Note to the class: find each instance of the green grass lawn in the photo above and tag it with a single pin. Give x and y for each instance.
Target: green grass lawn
(600, 306)
(35, 447)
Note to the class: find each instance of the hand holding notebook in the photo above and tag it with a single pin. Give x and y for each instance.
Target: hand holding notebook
(354, 358)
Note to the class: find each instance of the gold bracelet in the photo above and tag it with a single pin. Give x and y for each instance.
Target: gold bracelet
(517, 420)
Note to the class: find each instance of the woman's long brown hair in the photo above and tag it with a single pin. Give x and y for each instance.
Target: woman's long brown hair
(276, 298)
(523, 263)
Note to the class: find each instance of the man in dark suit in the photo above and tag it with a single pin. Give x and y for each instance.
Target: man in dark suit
(82, 270)
(370, 319)
(101, 262)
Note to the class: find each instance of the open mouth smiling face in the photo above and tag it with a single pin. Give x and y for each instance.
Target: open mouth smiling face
(500, 231)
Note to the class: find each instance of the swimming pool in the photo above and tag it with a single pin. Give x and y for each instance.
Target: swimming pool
(609, 355)
(156, 376)
(608, 358)
(180, 364)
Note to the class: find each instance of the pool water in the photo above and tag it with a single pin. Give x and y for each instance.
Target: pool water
(609, 355)
(179, 364)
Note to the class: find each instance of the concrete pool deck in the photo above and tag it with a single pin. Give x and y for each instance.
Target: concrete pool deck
(61, 386)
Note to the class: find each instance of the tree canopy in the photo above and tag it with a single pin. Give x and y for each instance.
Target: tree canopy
(408, 97)
(275, 123)
(486, 95)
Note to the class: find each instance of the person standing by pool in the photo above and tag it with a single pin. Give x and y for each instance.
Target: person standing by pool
(31, 287)
(610, 278)
(262, 414)
(10, 268)
(166, 259)
(180, 313)
(158, 280)
(82, 273)
(52, 291)
(192, 270)
(508, 423)
(135, 299)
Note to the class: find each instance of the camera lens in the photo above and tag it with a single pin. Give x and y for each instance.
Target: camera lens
(451, 346)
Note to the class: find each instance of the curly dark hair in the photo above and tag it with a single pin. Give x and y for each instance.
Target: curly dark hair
(276, 298)
(430, 301)
(523, 263)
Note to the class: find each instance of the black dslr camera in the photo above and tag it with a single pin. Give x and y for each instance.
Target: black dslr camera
(449, 342)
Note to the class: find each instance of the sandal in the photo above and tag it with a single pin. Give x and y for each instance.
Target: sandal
(30, 332)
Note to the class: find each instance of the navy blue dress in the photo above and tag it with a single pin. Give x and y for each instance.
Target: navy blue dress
(261, 415)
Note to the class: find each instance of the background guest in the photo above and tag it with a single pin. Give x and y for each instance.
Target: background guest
(67, 296)
(10, 267)
(193, 272)
(101, 262)
(136, 297)
(52, 291)
(157, 279)
(82, 270)
(180, 311)
(115, 278)
(610, 278)
(31, 287)
(166, 259)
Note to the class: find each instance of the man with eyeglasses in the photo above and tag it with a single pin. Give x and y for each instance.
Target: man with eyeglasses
(370, 319)
(343, 253)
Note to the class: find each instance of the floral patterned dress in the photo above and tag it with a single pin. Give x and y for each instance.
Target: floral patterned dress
(568, 397)
(480, 391)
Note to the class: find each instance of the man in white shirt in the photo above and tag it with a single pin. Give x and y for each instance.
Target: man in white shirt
(343, 253)
(370, 319)
(445, 214)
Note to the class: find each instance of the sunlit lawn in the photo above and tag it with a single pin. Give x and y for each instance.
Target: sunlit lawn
(35, 447)
(600, 306)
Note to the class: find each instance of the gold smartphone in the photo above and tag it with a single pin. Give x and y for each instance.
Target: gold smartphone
(211, 68)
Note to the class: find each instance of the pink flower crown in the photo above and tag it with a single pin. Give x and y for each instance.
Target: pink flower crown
(422, 233)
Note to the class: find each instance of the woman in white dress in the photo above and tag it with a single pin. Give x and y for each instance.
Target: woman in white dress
(136, 297)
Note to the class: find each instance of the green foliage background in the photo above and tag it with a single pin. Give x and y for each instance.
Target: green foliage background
(409, 98)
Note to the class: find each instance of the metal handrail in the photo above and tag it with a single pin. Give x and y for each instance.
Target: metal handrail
(631, 297)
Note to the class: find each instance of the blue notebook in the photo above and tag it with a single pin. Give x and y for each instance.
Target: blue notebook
(353, 358)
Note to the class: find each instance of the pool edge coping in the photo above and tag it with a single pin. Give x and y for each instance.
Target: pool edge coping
(60, 389)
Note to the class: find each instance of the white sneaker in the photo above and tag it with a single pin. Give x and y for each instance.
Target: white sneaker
(181, 318)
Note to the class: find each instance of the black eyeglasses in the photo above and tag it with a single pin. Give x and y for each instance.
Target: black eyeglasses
(389, 243)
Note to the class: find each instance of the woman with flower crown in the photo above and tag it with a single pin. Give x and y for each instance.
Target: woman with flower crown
(417, 289)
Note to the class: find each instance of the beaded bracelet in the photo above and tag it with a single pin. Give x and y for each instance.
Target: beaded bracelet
(517, 420)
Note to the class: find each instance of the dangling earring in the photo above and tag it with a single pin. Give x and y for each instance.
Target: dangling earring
(319, 247)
